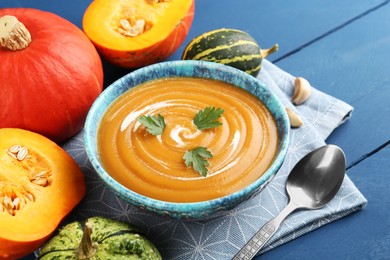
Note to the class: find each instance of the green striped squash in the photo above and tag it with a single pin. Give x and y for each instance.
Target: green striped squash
(231, 47)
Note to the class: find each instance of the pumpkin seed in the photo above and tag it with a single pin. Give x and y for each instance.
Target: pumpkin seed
(16, 148)
(7, 202)
(12, 155)
(128, 30)
(40, 181)
(9, 206)
(22, 153)
(18, 152)
(16, 203)
(40, 174)
(29, 196)
(125, 24)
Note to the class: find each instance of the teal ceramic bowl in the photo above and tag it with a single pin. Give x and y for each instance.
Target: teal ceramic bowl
(194, 210)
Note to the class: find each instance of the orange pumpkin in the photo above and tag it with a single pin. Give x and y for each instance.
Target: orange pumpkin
(50, 73)
(136, 33)
(39, 185)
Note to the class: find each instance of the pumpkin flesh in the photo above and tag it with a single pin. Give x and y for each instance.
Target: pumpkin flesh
(49, 86)
(167, 25)
(38, 206)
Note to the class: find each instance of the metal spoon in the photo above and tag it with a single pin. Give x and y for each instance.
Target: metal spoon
(312, 183)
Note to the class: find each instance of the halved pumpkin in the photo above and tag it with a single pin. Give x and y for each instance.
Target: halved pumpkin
(39, 185)
(136, 33)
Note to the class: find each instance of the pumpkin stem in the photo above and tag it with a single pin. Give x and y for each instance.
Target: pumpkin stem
(13, 34)
(87, 248)
(264, 53)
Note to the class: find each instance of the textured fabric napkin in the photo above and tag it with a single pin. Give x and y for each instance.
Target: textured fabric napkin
(222, 237)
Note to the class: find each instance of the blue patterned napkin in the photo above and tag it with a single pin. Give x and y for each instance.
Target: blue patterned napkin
(222, 237)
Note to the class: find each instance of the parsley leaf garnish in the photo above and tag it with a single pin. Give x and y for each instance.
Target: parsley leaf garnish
(154, 125)
(197, 158)
(207, 118)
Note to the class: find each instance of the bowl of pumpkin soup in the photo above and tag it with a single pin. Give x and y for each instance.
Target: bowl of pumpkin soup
(187, 139)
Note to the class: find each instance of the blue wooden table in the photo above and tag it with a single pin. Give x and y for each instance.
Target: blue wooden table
(343, 49)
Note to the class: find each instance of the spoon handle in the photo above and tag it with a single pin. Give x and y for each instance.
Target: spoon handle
(264, 234)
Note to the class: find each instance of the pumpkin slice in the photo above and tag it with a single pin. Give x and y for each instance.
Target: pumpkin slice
(136, 33)
(39, 185)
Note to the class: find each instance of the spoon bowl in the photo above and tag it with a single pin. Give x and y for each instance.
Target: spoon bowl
(317, 177)
(313, 182)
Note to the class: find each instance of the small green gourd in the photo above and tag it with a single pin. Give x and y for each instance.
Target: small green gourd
(231, 47)
(102, 238)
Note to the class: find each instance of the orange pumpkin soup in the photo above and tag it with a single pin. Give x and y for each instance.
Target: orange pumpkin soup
(243, 147)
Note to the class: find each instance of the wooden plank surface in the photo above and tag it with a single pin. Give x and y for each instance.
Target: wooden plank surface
(349, 64)
(291, 24)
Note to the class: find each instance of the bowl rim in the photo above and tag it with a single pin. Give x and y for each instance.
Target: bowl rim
(181, 68)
